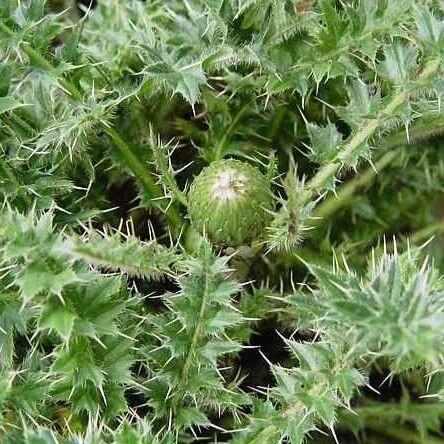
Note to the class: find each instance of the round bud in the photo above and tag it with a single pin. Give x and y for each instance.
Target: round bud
(229, 201)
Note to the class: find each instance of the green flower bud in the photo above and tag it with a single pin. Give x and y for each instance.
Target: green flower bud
(229, 202)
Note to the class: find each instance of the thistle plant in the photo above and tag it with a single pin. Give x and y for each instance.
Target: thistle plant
(221, 221)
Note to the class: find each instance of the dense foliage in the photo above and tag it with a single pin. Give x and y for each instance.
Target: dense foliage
(121, 321)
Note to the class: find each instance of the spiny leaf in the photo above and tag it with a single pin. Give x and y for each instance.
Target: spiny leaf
(124, 253)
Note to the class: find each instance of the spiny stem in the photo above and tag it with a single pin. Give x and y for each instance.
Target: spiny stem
(119, 143)
(423, 129)
(64, 84)
(184, 374)
(44, 64)
(9, 173)
(135, 166)
(141, 172)
(328, 171)
(392, 144)
(342, 198)
(166, 174)
(276, 122)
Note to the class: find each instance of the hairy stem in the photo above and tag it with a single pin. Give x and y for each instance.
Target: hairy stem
(342, 198)
(141, 172)
(119, 143)
(185, 371)
(420, 131)
(166, 175)
(328, 172)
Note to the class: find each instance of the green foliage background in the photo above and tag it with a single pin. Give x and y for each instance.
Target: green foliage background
(119, 323)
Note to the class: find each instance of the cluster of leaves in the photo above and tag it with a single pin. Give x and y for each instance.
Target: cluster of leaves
(119, 323)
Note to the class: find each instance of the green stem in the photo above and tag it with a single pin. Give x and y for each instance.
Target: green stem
(427, 232)
(119, 143)
(73, 12)
(227, 134)
(141, 172)
(8, 173)
(404, 434)
(422, 235)
(133, 162)
(11, 176)
(166, 175)
(419, 131)
(304, 255)
(380, 417)
(385, 410)
(342, 198)
(184, 374)
(276, 122)
(45, 65)
(21, 123)
(328, 172)
(267, 435)
(423, 129)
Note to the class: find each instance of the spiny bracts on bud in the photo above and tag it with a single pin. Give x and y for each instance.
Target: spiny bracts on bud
(230, 201)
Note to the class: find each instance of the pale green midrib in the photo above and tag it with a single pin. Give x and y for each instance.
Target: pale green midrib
(327, 172)
(120, 144)
(392, 144)
(105, 262)
(184, 374)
